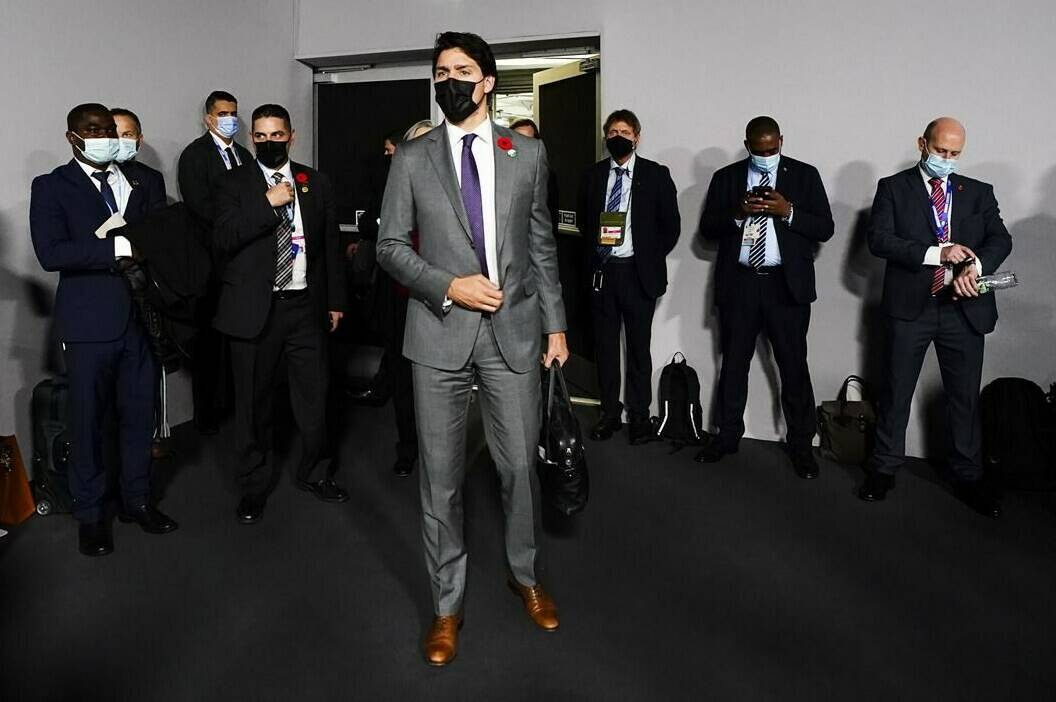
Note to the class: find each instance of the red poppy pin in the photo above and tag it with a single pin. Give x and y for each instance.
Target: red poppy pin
(302, 178)
(960, 187)
(506, 144)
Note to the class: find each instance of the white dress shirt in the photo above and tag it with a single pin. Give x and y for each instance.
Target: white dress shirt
(300, 261)
(484, 154)
(223, 154)
(626, 249)
(122, 189)
(773, 249)
(933, 256)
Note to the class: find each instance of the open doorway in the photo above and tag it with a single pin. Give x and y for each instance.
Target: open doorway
(360, 100)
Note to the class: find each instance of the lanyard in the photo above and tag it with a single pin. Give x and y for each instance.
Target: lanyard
(223, 155)
(942, 219)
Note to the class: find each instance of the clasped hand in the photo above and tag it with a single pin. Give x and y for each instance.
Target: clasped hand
(475, 292)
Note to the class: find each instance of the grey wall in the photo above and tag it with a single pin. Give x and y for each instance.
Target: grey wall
(852, 83)
(158, 58)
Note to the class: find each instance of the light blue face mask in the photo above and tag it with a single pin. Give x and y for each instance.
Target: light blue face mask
(765, 163)
(227, 126)
(937, 166)
(99, 149)
(126, 150)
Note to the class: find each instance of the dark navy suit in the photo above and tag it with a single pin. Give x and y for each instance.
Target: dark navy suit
(107, 354)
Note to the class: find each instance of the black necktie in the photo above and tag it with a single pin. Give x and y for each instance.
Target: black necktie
(105, 190)
(231, 162)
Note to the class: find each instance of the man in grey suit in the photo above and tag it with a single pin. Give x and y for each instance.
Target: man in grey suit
(484, 288)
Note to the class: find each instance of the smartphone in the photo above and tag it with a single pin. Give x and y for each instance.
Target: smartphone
(761, 190)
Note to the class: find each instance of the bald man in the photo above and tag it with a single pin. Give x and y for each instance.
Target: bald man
(938, 232)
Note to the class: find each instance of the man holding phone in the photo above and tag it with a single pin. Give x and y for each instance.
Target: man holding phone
(768, 213)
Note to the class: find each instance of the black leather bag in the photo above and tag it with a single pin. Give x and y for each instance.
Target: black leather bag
(847, 429)
(562, 464)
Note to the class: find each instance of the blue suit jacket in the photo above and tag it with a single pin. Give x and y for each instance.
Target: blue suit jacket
(92, 302)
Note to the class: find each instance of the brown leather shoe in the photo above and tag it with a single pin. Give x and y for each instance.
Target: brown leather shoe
(441, 643)
(540, 607)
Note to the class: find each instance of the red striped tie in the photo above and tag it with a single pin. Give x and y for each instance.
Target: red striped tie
(938, 201)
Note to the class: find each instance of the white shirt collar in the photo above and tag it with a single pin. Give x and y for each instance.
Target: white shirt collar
(220, 142)
(89, 170)
(927, 178)
(629, 165)
(482, 130)
(285, 170)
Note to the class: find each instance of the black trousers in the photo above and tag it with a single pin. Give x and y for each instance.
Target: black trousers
(959, 349)
(398, 369)
(762, 302)
(210, 369)
(293, 333)
(623, 304)
(122, 372)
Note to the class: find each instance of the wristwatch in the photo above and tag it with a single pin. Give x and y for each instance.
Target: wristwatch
(788, 219)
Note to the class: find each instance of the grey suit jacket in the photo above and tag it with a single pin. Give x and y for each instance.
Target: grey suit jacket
(423, 195)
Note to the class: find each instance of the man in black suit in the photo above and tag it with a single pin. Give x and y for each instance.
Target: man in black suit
(628, 214)
(202, 164)
(938, 232)
(283, 290)
(130, 139)
(73, 214)
(769, 213)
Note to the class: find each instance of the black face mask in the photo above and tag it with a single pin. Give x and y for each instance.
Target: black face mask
(455, 98)
(619, 147)
(272, 154)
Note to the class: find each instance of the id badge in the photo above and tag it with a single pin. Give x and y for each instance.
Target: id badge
(611, 228)
(753, 229)
(599, 278)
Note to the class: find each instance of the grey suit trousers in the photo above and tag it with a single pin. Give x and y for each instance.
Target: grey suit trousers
(510, 406)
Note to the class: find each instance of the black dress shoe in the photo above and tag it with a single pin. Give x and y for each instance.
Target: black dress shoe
(149, 519)
(250, 511)
(804, 463)
(714, 451)
(876, 486)
(605, 427)
(976, 496)
(326, 490)
(640, 431)
(94, 539)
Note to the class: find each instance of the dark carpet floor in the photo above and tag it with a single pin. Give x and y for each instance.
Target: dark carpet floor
(735, 581)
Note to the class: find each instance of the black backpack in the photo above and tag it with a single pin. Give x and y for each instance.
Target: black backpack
(1018, 426)
(681, 419)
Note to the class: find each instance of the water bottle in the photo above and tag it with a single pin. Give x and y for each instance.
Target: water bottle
(996, 281)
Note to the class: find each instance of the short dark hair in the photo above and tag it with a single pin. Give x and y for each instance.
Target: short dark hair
(623, 116)
(469, 44)
(394, 137)
(216, 96)
(760, 127)
(930, 129)
(525, 122)
(75, 116)
(124, 112)
(271, 110)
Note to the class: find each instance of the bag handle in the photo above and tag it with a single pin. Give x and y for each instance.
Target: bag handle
(841, 397)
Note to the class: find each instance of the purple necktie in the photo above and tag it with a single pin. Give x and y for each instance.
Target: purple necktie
(471, 199)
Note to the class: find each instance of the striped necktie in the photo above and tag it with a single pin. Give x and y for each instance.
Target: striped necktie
(938, 201)
(283, 243)
(613, 205)
(757, 254)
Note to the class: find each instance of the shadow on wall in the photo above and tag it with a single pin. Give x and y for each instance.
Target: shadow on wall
(863, 273)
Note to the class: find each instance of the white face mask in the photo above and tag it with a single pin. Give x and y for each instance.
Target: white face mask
(126, 149)
(765, 163)
(98, 149)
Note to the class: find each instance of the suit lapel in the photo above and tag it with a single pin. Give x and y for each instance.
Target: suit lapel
(135, 196)
(82, 182)
(305, 194)
(957, 195)
(440, 155)
(505, 174)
